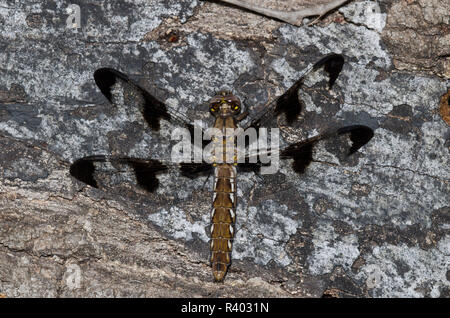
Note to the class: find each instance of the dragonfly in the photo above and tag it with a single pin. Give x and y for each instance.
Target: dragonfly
(228, 113)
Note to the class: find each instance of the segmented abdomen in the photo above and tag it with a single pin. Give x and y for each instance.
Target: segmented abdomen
(223, 217)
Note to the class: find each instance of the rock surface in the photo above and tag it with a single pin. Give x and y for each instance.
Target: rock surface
(374, 226)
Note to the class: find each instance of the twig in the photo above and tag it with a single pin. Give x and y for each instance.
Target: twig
(293, 17)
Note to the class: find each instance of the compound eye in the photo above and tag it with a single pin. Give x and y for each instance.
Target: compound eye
(214, 107)
(236, 107)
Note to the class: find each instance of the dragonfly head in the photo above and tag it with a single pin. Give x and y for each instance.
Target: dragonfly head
(225, 104)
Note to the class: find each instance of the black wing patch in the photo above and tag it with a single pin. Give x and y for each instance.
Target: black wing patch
(332, 64)
(289, 103)
(303, 152)
(83, 169)
(359, 136)
(146, 171)
(151, 108)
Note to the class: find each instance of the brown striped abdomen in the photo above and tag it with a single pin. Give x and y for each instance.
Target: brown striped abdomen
(223, 217)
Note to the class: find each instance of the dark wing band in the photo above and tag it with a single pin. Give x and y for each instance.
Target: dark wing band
(303, 152)
(152, 109)
(289, 103)
(91, 169)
